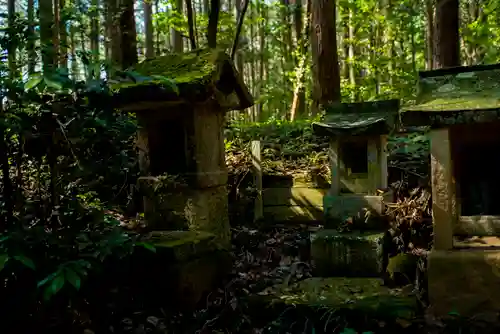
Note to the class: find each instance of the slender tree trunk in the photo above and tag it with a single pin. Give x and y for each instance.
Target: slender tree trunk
(12, 47)
(298, 102)
(46, 36)
(429, 38)
(128, 34)
(326, 76)
(94, 38)
(148, 24)
(31, 37)
(189, 9)
(213, 23)
(57, 33)
(447, 41)
(175, 34)
(63, 37)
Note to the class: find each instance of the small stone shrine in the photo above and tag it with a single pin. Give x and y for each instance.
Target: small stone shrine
(462, 108)
(180, 101)
(358, 138)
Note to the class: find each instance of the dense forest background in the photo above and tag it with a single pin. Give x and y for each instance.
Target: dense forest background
(381, 44)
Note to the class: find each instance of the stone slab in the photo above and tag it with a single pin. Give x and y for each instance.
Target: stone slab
(353, 254)
(465, 281)
(303, 196)
(366, 295)
(343, 206)
(285, 213)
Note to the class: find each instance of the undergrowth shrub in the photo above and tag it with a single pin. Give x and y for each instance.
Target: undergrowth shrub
(68, 160)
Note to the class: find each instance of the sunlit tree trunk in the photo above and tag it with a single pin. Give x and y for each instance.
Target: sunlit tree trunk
(148, 25)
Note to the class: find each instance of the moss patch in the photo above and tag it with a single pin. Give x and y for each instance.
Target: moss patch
(184, 245)
(195, 67)
(362, 294)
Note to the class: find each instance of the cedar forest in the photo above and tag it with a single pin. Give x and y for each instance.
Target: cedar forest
(70, 208)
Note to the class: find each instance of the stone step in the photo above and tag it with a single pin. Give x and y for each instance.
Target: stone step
(353, 254)
(364, 295)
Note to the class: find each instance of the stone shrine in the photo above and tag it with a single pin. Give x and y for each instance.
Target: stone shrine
(462, 108)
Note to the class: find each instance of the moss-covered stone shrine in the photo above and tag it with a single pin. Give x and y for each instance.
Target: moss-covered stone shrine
(462, 107)
(180, 101)
(358, 138)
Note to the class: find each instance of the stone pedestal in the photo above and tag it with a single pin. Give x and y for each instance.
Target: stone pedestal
(465, 281)
(187, 209)
(354, 254)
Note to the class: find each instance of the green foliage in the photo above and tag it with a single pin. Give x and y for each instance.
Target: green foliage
(72, 158)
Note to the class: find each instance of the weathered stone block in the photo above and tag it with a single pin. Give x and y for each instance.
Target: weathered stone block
(464, 281)
(184, 208)
(187, 265)
(353, 254)
(344, 206)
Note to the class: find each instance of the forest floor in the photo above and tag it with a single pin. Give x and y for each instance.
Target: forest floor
(266, 258)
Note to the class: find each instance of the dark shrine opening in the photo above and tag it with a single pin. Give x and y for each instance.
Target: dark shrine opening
(168, 147)
(476, 160)
(354, 155)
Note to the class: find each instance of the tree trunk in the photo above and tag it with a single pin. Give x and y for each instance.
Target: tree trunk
(446, 41)
(429, 12)
(177, 41)
(189, 9)
(31, 37)
(213, 22)
(12, 47)
(94, 39)
(148, 25)
(325, 67)
(46, 36)
(63, 37)
(128, 34)
(298, 102)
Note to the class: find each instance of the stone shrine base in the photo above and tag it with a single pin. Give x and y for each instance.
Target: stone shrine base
(466, 279)
(353, 205)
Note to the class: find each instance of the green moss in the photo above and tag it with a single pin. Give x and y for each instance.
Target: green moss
(363, 294)
(171, 239)
(462, 91)
(195, 67)
(183, 68)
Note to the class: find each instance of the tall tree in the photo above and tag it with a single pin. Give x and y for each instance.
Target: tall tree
(46, 35)
(128, 34)
(177, 42)
(446, 39)
(213, 22)
(148, 27)
(325, 66)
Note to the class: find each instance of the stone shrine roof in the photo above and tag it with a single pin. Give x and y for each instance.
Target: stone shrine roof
(361, 118)
(191, 77)
(461, 95)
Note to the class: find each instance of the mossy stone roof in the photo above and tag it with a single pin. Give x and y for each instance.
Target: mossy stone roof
(456, 96)
(362, 118)
(191, 77)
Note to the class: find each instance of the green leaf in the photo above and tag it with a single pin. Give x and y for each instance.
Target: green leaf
(73, 278)
(148, 246)
(33, 82)
(169, 82)
(4, 258)
(26, 261)
(46, 279)
(47, 293)
(57, 283)
(52, 83)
